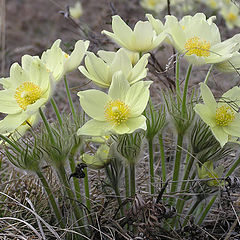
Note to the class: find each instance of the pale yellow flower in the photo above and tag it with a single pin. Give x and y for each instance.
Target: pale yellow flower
(76, 11)
(142, 39)
(101, 69)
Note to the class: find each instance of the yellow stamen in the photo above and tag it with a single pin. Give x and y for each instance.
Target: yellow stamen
(66, 55)
(231, 17)
(116, 112)
(26, 94)
(224, 115)
(198, 47)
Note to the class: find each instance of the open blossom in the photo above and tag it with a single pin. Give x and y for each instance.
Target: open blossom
(25, 91)
(222, 116)
(101, 69)
(59, 63)
(119, 111)
(142, 39)
(198, 39)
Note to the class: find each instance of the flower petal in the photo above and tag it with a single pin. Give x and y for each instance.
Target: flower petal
(137, 97)
(233, 128)
(119, 86)
(136, 123)
(208, 97)
(220, 135)
(94, 128)
(206, 114)
(93, 102)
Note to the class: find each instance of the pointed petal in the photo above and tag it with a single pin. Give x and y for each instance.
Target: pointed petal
(121, 129)
(76, 56)
(208, 97)
(233, 128)
(93, 102)
(106, 56)
(136, 123)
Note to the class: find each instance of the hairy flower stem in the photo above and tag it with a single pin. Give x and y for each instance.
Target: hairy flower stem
(73, 167)
(70, 99)
(184, 98)
(206, 210)
(68, 190)
(51, 199)
(180, 202)
(46, 124)
(132, 178)
(56, 110)
(163, 160)
(127, 184)
(151, 164)
(190, 212)
(208, 74)
(86, 187)
(176, 168)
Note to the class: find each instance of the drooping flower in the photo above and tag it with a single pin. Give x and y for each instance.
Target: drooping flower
(119, 111)
(99, 159)
(59, 63)
(222, 116)
(25, 92)
(76, 11)
(101, 69)
(142, 39)
(198, 39)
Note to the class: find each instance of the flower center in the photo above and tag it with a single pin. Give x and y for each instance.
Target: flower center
(116, 112)
(66, 55)
(26, 94)
(198, 47)
(231, 17)
(152, 3)
(224, 115)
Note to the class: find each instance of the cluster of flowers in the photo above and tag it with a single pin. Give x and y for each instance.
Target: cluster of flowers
(196, 38)
(228, 9)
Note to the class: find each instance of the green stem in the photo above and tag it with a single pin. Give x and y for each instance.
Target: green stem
(184, 182)
(176, 168)
(191, 211)
(51, 199)
(177, 74)
(206, 210)
(234, 166)
(151, 164)
(184, 99)
(208, 74)
(163, 161)
(132, 179)
(70, 99)
(126, 183)
(75, 207)
(86, 187)
(73, 168)
(56, 110)
(50, 134)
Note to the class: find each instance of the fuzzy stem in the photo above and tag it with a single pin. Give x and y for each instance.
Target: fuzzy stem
(73, 167)
(132, 179)
(126, 183)
(191, 210)
(206, 210)
(151, 164)
(48, 128)
(177, 76)
(177, 164)
(51, 198)
(86, 187)
(56, 110)
(75, 207)
(184, 99)
(208, 74)
(179, 206)
(70, 99)
(234, 166)
(163, 161)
